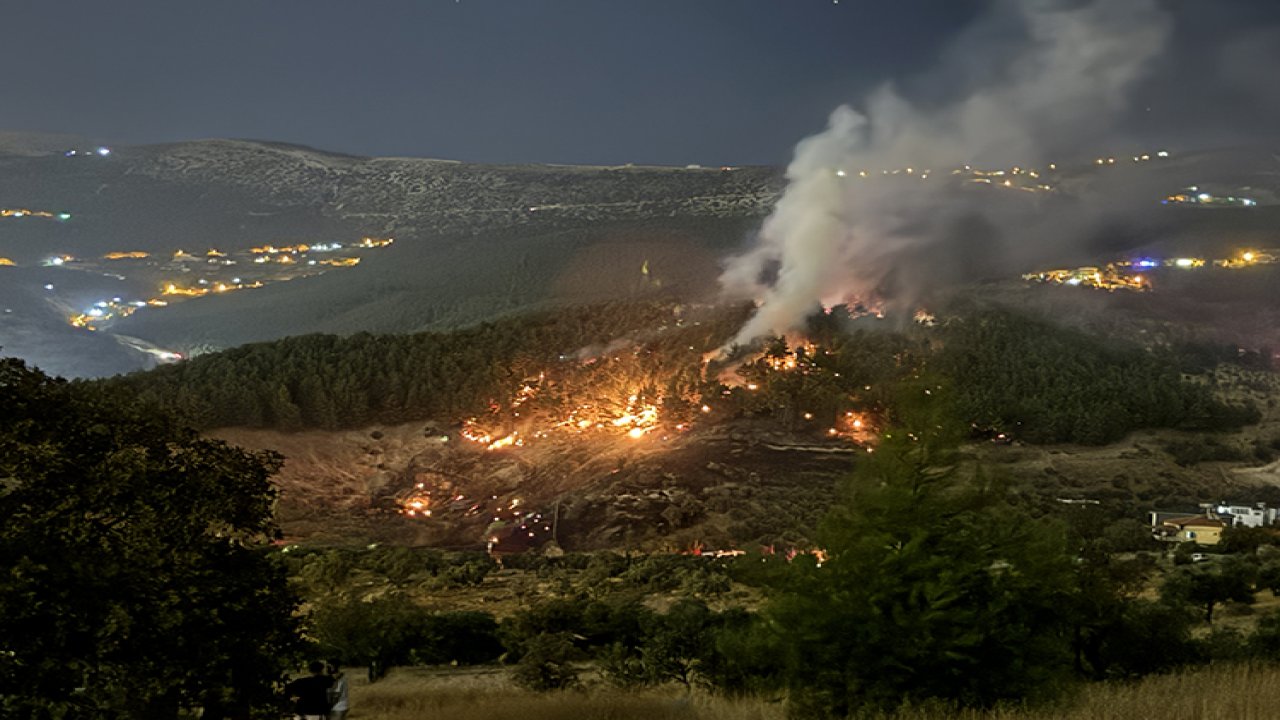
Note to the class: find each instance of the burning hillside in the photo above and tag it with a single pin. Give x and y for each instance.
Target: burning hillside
(624, 426)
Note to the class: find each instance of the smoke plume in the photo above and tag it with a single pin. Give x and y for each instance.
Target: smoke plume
(1029, 80)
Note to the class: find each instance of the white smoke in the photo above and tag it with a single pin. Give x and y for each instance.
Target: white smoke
(1031, 78)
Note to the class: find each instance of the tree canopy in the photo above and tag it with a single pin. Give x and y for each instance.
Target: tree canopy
(934, 589)
(133, 576)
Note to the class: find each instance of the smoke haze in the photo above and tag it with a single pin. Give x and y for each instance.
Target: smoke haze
(1030, 80)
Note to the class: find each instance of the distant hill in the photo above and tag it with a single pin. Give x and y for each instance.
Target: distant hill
(472, 241)
(480, 242)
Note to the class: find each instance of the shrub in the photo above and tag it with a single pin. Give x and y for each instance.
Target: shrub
(546, 663)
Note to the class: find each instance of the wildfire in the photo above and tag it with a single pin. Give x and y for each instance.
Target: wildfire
(635, 418)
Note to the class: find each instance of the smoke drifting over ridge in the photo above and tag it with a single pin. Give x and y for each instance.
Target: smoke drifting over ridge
(1032, 78)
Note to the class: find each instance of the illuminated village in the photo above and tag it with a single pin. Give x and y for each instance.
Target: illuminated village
(1024, 179)
(1136, 274)
(18, 213)
(185, 275)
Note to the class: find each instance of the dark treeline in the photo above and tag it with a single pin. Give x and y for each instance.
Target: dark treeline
(1015, 375)
(1045, 383)
(331, 382)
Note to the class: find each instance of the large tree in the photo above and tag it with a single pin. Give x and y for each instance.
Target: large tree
(934, 589)
(134, 574)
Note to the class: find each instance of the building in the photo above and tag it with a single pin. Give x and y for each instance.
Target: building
(1206, 526)
(1256, 515)
(1200, 529)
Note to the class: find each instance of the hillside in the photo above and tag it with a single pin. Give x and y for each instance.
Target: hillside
(613, 427)
(471, 242)
(95, 238)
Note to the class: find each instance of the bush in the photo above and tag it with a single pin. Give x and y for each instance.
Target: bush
(546, 663)
(1203, 449)
(1147, 637)
(466, 637)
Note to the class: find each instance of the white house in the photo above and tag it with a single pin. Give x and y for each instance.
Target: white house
(1256, 515)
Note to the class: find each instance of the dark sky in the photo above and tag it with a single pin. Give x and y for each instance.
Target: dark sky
(595, 81)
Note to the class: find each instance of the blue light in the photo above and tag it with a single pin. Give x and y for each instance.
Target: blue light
(1147, 263)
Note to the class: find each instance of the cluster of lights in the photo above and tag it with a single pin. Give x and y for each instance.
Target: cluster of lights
(100, 151)
(1145, 157)
(1108, 278)
(1128, 274)
(28, 213)
(1194, 195)
(107, 310)
(104, 311)
(1026, 179)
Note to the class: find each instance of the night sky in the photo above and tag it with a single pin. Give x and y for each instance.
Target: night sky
(591, 81)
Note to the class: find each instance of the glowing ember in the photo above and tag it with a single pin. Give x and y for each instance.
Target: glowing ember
(507, 441)
(416, 505)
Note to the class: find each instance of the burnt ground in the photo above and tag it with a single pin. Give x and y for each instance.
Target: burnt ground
(735, 484)
(724, 486)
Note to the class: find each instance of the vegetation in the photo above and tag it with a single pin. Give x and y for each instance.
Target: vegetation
(134, 582)
(935, 589)
(1014, 376)
(1220, 692)
(325, 381)
(391, 630)
(1043, 383)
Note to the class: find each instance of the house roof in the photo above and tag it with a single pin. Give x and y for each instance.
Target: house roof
(1197, 521)
(1160, 517)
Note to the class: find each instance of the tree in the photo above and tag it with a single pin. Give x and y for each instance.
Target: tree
(136, 579)
(546, 663)
(678, 642)
(934, 589)
(464, 637)
(1206, 587)
(1246, 540)
(377, 634)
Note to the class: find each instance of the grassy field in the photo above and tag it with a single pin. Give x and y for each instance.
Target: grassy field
(1221, 693)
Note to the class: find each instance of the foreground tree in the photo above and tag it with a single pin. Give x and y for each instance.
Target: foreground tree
(134, 580)
(934, 590)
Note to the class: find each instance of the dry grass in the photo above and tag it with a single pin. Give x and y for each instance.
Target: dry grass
(1224, 693)
(1216, 693)
(423, 694)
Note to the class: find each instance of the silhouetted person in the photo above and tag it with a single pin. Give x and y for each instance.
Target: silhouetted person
(338, 701)
(311, 693)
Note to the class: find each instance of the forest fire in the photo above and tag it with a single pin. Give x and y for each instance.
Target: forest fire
(617, 397)
(636, 419)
